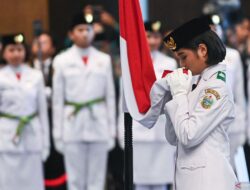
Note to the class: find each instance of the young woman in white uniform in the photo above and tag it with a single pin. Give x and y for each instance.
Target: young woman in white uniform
(24, 134)
(200, 118)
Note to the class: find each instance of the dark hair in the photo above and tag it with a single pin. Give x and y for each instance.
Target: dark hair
(215, 47)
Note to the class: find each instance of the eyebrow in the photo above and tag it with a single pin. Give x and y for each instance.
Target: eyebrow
(180, 53)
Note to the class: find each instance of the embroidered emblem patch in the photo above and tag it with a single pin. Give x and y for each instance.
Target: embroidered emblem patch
(207, 101)
(214, 92)
(221, 75)
(209, 98)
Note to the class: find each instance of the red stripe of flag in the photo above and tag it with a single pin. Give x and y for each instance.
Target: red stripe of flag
(139, 59)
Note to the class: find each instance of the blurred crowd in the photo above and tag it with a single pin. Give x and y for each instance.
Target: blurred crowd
(81, 127)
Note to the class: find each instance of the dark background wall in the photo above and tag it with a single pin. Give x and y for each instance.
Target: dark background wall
(61, 11)
(175, 12)
(19, 15)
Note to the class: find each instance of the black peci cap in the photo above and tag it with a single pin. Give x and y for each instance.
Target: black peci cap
(153, 26)
(211, 19)
(81, 18)
(12, 39)
(185, 33)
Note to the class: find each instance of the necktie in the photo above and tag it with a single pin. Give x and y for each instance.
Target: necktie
(18, 76)
(85, 60)
(195, 85)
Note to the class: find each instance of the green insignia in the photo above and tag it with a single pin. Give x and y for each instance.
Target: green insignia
(221, 75)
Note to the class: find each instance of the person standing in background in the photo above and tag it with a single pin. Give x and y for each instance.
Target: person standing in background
(156, 170)
(44, 50)
(24, 130)
(235, 78)
(83, 107)
(237, 36)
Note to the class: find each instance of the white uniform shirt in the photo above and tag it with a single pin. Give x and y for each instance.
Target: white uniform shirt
(200, 123)
(22, 98)
(76, 82)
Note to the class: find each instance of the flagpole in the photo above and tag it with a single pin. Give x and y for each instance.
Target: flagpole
(128, 152)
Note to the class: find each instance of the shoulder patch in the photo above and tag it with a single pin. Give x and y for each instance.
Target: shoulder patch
(209, 98)
(214, 92)
(221, 76)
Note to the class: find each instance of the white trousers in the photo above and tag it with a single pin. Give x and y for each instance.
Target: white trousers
(150, 187)
(86, 165)
(21, 171)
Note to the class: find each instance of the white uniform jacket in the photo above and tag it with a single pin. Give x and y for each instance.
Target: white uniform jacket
(200, 123)
(23, 97)
(76, 82)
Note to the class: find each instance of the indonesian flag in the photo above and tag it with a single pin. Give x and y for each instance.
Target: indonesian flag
(138, 74)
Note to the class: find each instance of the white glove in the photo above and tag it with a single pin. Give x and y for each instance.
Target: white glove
(59, 145)
(111, 143)
(45, 154)
(179, 82)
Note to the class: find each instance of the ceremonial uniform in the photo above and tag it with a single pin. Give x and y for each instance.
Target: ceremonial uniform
(23, 114)
(200, 123)
(84, 114)
(200, 118)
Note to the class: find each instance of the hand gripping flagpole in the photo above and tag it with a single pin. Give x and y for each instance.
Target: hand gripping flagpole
(128, 152)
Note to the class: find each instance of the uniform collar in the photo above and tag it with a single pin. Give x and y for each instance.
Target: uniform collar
(82, 51)
(17, 69)
(210, 71)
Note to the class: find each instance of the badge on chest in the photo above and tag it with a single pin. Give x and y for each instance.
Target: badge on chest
(210, 97)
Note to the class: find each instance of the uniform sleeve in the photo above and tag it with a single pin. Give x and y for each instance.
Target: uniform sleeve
(193, 126)
(43, 113)
(110, 100)
(57, 101)
(169, 131)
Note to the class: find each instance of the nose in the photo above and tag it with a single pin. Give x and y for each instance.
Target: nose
(182, 64)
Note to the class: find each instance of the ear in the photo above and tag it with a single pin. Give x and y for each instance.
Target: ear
(70, 35)
(202, 51)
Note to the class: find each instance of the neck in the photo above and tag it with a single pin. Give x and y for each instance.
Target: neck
(16, 68)
(83, 51)
(45, 58)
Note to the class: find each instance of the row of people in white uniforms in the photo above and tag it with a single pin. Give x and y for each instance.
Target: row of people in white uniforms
(84, 117)
(83, 113)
